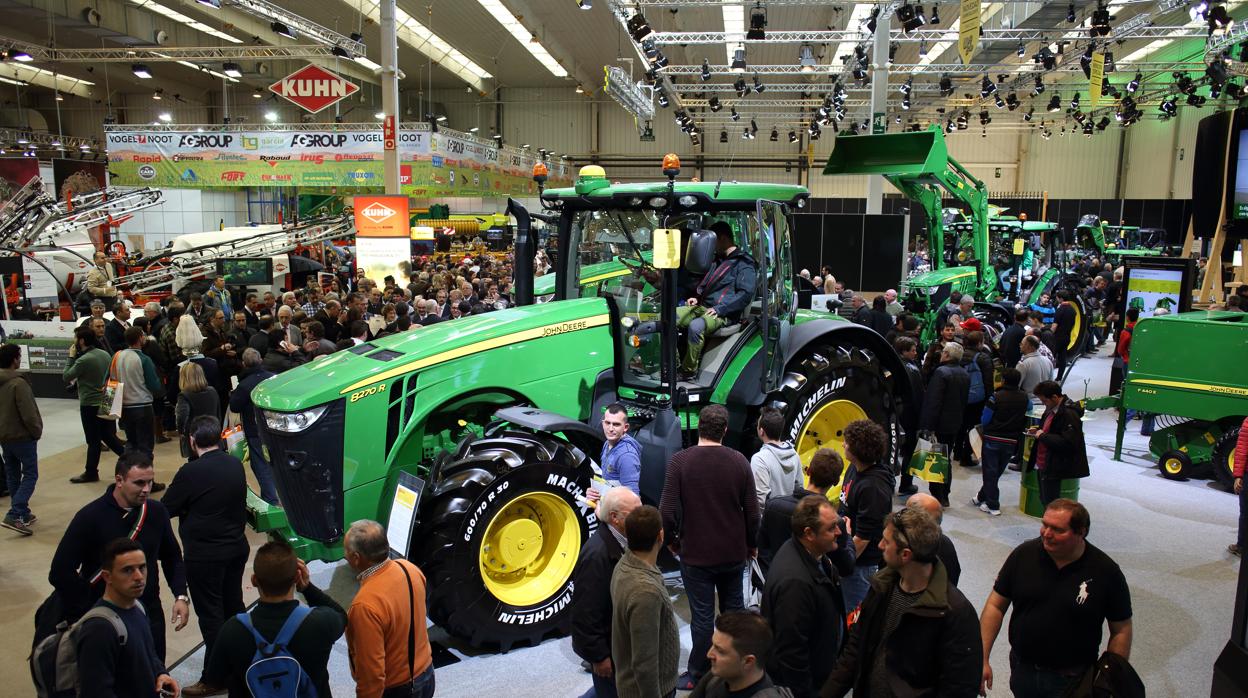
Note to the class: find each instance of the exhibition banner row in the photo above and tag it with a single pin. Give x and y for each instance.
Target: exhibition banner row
(432, 164)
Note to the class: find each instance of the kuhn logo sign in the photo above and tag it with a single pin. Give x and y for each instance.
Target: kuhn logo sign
(313, 88)
(378, 213)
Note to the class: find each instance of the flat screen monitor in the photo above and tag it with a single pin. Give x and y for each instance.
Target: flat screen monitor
(1159, 282)
(246, 271)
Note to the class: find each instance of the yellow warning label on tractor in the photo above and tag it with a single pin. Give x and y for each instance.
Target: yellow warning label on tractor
(667, 248)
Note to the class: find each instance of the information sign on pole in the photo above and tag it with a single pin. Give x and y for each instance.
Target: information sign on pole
(387, 133)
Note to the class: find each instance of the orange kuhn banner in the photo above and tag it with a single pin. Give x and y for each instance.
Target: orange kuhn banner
(381, 216)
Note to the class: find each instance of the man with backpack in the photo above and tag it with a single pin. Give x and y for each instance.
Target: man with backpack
(978, 364)
(298, 638)
(116, 655)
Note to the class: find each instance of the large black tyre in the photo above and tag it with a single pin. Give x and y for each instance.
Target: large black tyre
(508, 497)
(1223, 463)
(830, 386)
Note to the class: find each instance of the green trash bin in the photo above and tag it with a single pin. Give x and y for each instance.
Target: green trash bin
(1029, 493)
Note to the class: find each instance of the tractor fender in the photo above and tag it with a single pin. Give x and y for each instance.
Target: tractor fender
(814, 332)
(824, 331)
(579, 434)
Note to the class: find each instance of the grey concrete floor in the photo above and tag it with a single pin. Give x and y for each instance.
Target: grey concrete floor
(1169, 537)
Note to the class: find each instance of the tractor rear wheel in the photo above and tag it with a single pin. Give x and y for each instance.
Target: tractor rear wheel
(1224, 458)
(500, 535)
(829, 387)
(1175, 465)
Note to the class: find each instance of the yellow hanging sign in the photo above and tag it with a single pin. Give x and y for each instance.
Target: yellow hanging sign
(1096, 77)
(667, 248)
(968, 32)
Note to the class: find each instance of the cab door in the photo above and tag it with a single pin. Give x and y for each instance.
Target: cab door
(775, 288)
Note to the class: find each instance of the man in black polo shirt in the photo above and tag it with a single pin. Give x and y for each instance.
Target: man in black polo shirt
(1063, 588)
(124, 511)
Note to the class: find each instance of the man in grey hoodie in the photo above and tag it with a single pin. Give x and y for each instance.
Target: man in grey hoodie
(777, 468)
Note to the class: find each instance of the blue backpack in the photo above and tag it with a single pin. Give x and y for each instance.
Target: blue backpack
(274, 673)
(976, 393)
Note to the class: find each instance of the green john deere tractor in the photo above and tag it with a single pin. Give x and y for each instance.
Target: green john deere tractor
(1201, 404)
(498, 414)
(1114, 242)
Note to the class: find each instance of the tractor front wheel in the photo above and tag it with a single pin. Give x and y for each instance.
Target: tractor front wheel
(830, 387)
(500, 536)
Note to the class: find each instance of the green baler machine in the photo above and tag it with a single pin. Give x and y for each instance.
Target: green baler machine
(1202, 399)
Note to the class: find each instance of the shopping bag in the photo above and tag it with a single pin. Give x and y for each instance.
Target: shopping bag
(976, 439)
(752, 582)
(114, 391)
(235, 441)
(932, 464)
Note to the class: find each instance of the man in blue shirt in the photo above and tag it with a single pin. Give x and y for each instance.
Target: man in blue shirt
(621, 454)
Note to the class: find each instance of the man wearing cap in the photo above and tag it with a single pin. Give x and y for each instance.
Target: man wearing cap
(721, 297)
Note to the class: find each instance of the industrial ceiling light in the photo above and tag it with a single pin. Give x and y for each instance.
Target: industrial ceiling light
(1055, 104)
(1216, 72)
(714, 104)
(706, 70)
(19, 56)
(661, 96)
(723, 136)
(638, 28)
(1195, 100)
(758, 85)
(935, 15)
(949, 126)
(906, 86)
(1220, 21)
(234, 70)
(905, 104)
(255, 92)
(1022, 49)
(999, 102)
(753, 127)
(1046, 58)
(946, 86)
(806, 58)
(1103, 123)
(1087, 129)
(341, 52)
(963, 119)
(911, 19)
(1100, 21)
(165, 117)
(1074, 101)
(1168, 107)
(1134, 85)
(987, 87)
(141, 70)
(1011, 101)
(792, 136)
(984, 118)
(741, 88)
(758, 23)
(1039, 86)
(872, 19)
(1233, 90)
(746, 135)
(733, 113)
(922, 47)
(1030, 112)
(1070, 13)
(738, 61)
(775, 135)
(282, 30)
(1085, 61)
(158, 94)
(585, 4)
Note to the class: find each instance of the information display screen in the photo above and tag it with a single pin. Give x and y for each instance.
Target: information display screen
(1240, 208)
(1159, 282)
(256, 271)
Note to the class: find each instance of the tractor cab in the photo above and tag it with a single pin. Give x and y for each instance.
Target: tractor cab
(646, 248)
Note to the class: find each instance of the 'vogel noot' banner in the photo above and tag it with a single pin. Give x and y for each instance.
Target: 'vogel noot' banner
(432, 164)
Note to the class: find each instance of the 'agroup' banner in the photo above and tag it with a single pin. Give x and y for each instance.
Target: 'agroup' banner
(431, 164)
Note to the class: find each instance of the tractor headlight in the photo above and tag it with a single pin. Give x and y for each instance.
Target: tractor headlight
(293, 422)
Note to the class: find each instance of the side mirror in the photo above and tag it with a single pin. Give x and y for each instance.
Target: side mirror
(700, 251)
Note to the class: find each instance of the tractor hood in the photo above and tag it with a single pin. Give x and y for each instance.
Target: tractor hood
(590, 274)
(351, 370)
(936, 277)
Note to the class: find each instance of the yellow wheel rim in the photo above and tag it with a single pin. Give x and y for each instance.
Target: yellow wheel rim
(1174, 466)
(1074, 331)
(530, 549)
(826, 429)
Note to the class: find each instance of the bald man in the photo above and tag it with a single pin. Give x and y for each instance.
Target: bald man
(945, 551)
(591, 594)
